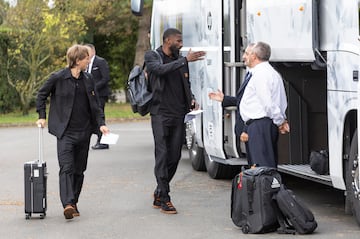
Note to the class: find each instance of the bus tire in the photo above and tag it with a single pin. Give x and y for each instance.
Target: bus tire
(196, 155)
(218, 170)
(214, 169)
(352, 180)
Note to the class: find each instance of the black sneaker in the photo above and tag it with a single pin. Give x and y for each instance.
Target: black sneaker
(157, 202)
(168, 208)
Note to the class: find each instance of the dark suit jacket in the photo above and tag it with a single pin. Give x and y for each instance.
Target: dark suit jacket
(101, 74)
(156, 70)
(61, 88)
(235, 101)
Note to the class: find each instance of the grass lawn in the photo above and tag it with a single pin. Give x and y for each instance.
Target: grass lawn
(113, 112)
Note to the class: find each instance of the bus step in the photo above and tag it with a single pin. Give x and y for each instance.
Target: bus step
(304, 171)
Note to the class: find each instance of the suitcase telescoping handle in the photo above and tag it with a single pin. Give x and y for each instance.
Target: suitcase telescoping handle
(40, 160)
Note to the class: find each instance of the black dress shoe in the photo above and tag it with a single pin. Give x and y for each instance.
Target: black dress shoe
(100, 146)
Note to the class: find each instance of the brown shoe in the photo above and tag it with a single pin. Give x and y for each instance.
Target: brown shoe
(69, 212)
(168, 208)
(77, 213)
(157, 202)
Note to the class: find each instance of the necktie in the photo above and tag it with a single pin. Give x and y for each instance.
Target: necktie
(244, 83)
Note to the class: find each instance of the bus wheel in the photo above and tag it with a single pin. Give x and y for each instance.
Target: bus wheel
(220, 171)
(196, 155)
(214, 169)
(352, 179)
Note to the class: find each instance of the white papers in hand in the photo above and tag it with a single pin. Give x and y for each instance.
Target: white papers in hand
(191, 115)
(109, 138)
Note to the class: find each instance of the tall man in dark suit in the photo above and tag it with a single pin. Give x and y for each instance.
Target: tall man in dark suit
(74, 115)
(172, 99)
(99, 69)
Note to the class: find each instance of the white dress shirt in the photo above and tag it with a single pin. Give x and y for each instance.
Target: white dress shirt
(90, 64)
(264, 96)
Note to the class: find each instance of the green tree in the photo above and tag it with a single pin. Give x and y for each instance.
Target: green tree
(113, 30)
(40, 36)
(8, 97)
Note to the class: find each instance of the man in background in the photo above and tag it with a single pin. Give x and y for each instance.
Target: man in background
(99, 69)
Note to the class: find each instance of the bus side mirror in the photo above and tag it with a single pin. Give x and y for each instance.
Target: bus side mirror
(137, 7)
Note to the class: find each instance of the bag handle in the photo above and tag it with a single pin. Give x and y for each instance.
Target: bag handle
(41, 136)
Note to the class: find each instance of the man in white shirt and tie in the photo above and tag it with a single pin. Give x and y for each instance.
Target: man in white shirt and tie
(263, 107)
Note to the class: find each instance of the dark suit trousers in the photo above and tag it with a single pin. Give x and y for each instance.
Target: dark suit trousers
(262, 144)
(102, 102)
(73, 149)
(168, 137)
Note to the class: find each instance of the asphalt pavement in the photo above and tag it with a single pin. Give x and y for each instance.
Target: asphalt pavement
(116, 201)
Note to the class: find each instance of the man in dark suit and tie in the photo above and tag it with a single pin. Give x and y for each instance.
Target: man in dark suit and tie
(99, 69)
(240, 127)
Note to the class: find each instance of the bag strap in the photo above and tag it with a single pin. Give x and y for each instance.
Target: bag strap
(149, 86)
(250, 190)
(285, 226)
(160, 58)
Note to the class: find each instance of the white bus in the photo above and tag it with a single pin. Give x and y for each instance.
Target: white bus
(315, 47)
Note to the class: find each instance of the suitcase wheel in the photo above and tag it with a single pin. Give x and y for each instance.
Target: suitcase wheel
(245, 229)
(28, 216)
(42, 216)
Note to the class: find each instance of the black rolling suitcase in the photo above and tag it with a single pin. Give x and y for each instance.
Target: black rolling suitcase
(252, 206)
(35, 177)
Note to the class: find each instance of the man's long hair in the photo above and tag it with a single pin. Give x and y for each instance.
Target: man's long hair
(74, 53)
